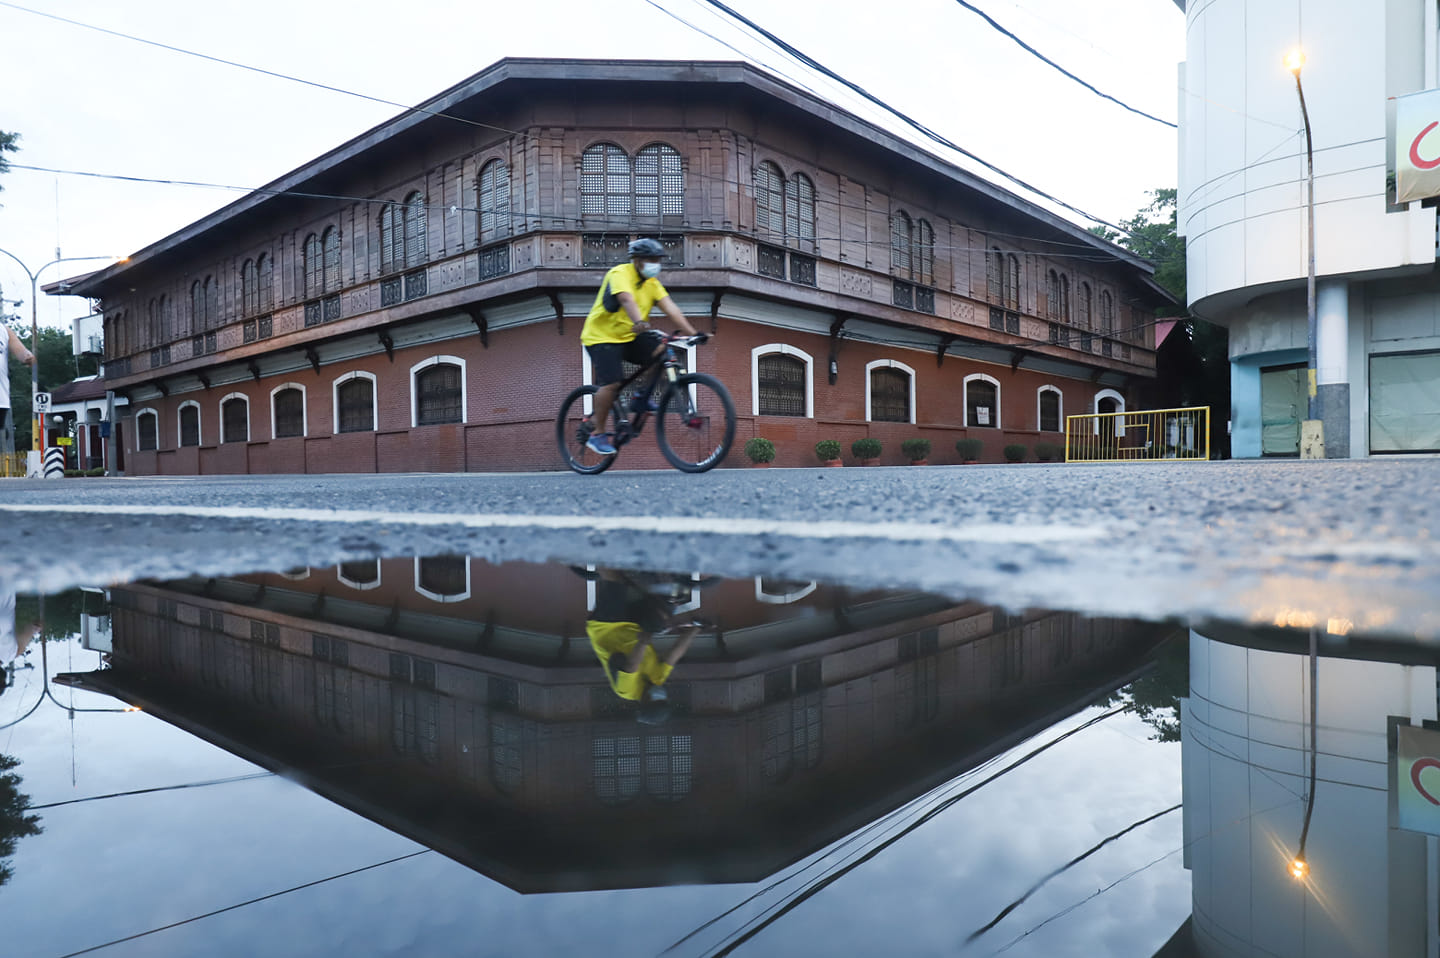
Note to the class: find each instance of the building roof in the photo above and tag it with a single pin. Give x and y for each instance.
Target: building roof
(452, 103)
(91, 387)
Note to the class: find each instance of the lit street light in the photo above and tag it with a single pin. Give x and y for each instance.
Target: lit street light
(1312, 429)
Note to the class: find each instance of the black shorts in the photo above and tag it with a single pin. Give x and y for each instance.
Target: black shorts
(607, 359)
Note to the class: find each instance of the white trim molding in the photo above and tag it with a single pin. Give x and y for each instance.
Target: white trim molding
(436, 596)
(149, 411)
(374, 399)
(1060, 398)
(221, 407)
(787, 350)
(304, 409)
(353, 583)
(199, 424)
(1120, 407)
(781, 598)
(415, 397)
(965, 398)
(889, 364)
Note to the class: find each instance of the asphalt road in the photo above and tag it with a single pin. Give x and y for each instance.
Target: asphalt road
(1356, 542)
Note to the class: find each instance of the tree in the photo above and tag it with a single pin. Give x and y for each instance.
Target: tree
(58, 365)
(1155, 696)
(9, 143)
(14, 823)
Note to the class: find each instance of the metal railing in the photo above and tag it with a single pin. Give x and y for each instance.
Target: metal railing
(13, 465)
(1142, 436)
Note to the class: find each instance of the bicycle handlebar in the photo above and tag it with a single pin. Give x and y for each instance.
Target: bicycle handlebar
(698, 338)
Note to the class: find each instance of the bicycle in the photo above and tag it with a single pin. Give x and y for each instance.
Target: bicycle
(694, 421)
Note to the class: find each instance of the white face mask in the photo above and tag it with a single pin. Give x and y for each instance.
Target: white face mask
(649, 270)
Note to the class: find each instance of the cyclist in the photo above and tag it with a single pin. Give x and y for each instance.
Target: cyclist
(612, 332)
(622, 632)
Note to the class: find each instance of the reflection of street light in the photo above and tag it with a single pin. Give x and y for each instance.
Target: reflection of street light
(1299, 868)
(37, 422)
(1294, 60)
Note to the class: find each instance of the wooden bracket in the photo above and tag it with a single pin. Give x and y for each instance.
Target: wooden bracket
(164, 389)
(204, 379)
(254, 368)
(833, 366)
(941, 349)
(482, 325)
(385, 340)
(559, 312)
(314, 358)
(715, 312)
(1016, 358)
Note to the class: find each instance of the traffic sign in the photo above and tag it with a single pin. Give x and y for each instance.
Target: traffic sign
(64, 441)
(42, 402)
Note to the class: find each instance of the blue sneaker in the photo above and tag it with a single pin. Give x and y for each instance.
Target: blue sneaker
(600, 445)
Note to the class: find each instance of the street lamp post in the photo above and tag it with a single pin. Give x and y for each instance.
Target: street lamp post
(1312, 435)
(37, 421)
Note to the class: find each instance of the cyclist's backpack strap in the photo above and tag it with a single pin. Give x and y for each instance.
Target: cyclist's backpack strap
(609, 300)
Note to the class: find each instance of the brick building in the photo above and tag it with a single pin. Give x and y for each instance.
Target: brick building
(412, 300)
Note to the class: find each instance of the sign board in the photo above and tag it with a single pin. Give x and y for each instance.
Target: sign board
(1415, 781)
(1416, 146)
(982, 415)
(42, 402)
(64, 441)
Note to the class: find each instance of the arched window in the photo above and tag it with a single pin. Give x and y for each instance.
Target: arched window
(890, 391)
(265, 268)
(1107, 313)
(168, 329)
(781, 381)
(314, 267)
(1011, 282)
(912, 249)
(443, 578)
(982, 402)
(605, 187)
(1050, 412)
(494, 200)
(360, 574)
(1052, 295)
(331, 243)
(1083, 317)
(995, 275)
(235, 418)
(287, 411)
(923, 253)
(249, 288)
(212, 302)
(659, 182)
(355, 403)
(901, 259)
(152, 321)
(769, 199)
(147, 430)
(392, 243)
(438, 391)
(189, 416)
(800, 210)
(416, 244)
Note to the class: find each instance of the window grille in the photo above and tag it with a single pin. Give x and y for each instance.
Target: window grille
(235, 421)
(190, 426)
(981, 403)
(659, 182)
(903, 294)
(495, 261)
(605, 183)
(147, 432)
(443, 575)
(1049, 411)
(289, 413)
(925, 299)
(997, 319)
(248, 331)
(313, 313)
(616, 768)
(209, 343)
(266, 327)
(769, 199)
(674, 250)
(889, 395)
(392, 291)
(782, 385)
(265, 269)
(603, 249)
(494, 187)
(1086, 343)
(330, 308)
(416, 284)
(439, 395)
(770, 261)
(802, 269)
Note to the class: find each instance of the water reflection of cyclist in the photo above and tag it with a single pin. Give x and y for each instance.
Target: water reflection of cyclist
(622, 631)
(611, 336)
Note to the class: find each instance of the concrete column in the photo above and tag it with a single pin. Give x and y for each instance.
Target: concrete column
(1332, 365)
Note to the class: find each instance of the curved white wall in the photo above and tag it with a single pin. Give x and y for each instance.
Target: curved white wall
(1241, 202)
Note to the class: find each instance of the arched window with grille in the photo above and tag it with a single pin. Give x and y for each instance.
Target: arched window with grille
(901, 238)
(659, 183)
(890, 391)
(781, 381)
(1050, 412)
(313, 267)
(147, 430)
(355, 402)
(606, 191)
(1107, 312)
(769, 200)
(235, 418)
(287, 411)
(331, 243)
(982, 401)
(493, 188)
(1084, 306)
(189, 423)
(438, 391)
(800, 211)
(443, 578)
(416, 243)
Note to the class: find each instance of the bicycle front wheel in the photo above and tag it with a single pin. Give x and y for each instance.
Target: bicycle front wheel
(696, 423)
(571, 434)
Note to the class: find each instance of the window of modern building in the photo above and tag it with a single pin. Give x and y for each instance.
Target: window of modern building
(314, 267)
(781, 381)
(288, 409)
(890, 392)
(147, 430)
(189, 417)
(659, 182)
(800, 211)
(493, 187)
(1049, 414)
(1404, 403)
(235, 418)
(770, 200)
(355, 403)
(605, 184)
(982, 401)
(439, 391)
(331, 244)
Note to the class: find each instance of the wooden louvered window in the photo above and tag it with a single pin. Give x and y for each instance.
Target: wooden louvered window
(782, 385)
(357, 405)
(1011, 282)
(212, 303)
(994, 275)
(190, 425)
(889, 395)
(1107, 313)
(769, 199)
(659, 182)
(314, 267)
(439, 394)
(331, 244)
(1085, 305)
(265, 278)
(901, 263)
(249, 288)
(800, 211)
(289, 413)
(235, 421)
(605, 183)
(416, 249)
(923, 252)
(494, 200)
(392, 246)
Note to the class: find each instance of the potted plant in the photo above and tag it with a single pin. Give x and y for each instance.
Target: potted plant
(916, 450)
(867, 450)
(828, 452)
(1048, 451)
(761, 451)
(969, 449)
(1015, 452)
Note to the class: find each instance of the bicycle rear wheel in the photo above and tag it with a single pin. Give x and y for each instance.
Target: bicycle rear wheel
(570, 434)
(696, 423)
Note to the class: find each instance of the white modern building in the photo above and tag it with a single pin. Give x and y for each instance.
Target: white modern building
(1242, 208)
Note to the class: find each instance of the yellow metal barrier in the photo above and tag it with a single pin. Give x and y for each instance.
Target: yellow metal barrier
(12, 465)
(1145, 435)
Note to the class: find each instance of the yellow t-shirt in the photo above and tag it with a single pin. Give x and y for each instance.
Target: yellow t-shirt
(604, 326)
(608, 638)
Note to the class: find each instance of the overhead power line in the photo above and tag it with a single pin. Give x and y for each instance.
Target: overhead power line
(1044, 59)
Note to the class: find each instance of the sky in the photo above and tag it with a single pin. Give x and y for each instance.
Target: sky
(89, 102)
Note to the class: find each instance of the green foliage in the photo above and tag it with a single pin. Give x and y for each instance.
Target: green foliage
(61, 618)
(827, 450)
(969, 449)
(1048, 451)
(58, 365)
(1156, 695)
(1153, 236)
(9, 143)
(760, 450)
(915, 449)
(14, 823)
(1015, 452)
(867, 448)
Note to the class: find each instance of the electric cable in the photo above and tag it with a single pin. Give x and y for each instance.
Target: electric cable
(158, 788)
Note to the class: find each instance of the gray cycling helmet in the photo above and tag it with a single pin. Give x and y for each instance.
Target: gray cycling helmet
(646, 247)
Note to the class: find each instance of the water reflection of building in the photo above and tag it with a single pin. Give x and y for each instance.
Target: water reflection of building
(1372, 889)
(484, 727)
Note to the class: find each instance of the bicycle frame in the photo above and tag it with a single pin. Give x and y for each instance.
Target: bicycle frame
(627, 428)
